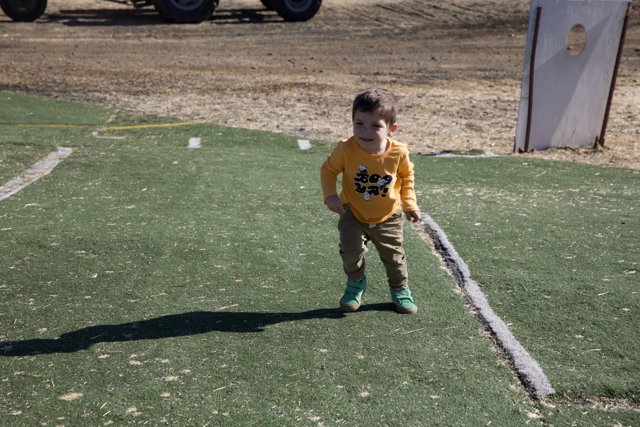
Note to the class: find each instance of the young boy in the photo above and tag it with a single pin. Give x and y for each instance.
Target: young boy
(377, 181)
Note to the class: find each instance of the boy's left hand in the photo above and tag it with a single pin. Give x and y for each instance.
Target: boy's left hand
(413, 216)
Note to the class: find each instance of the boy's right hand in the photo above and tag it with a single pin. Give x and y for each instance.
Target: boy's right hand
(334, 204)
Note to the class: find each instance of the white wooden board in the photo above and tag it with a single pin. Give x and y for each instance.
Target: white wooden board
(570, 88)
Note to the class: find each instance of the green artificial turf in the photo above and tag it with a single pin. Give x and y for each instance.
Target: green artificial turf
(31, 127)
(593, 414)
(144, 282)
(556, 247)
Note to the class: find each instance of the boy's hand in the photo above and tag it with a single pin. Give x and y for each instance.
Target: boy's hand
(334, 204)
(413, 216)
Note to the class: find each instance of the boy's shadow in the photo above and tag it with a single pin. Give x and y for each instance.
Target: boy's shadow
(173, 325)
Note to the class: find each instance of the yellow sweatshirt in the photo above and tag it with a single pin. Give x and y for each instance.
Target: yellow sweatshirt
(373, 185)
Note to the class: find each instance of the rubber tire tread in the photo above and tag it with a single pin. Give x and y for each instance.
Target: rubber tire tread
(286, 13)
(19, 16)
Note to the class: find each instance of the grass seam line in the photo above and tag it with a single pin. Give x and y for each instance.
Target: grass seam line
(35, 172)
(527, 368)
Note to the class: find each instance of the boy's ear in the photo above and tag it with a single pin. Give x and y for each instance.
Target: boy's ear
(393, 127)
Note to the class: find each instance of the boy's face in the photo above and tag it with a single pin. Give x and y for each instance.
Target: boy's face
(371, 129)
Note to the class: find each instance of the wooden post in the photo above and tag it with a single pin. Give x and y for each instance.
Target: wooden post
(532, 65)
(600, 139)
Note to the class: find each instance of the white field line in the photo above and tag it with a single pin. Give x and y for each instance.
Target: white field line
(304, 144)
(34, 173)
(527, 368)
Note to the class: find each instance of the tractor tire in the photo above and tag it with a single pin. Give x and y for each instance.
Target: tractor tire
(296, 10)
(185, 11)
(23, 10)
(268, 4)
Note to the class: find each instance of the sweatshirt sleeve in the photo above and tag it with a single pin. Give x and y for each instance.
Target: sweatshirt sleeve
(407, 191)
(331, 168)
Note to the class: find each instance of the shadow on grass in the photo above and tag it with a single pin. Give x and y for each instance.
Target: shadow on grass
(173, 325)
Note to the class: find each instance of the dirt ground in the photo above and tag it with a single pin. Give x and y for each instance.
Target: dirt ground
(456, 67)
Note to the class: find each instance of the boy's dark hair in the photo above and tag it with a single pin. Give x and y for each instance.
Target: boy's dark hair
(376, 100)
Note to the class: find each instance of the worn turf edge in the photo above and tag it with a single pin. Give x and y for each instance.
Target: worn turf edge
(34, 173)
(528, 370)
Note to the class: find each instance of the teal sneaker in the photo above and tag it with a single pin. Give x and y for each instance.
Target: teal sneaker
(352, 298)
(403, 300)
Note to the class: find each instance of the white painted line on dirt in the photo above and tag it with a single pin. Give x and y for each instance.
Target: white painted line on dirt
(195, 143)
(304, 144)
(528, 369)
(37, 171)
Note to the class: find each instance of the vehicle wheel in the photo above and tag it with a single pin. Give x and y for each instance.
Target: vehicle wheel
(23, 10)
(296, 10)
(268, 4)
(189, 11)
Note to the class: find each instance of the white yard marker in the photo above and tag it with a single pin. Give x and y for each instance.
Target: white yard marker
(195, 142)
(37, 171)
(304, 144)
(98, 136)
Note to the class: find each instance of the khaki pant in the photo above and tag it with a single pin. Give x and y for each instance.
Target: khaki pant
(387, 238)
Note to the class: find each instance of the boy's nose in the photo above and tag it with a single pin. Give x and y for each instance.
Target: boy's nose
(369, 131)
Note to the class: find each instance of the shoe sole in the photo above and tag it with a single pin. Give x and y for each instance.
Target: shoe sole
(352, 308)
(407, 311)
(349, 308)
